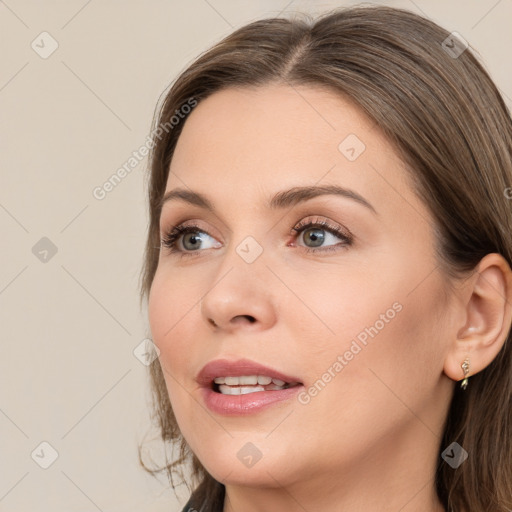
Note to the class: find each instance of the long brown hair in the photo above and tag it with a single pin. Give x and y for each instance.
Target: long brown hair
(441, 111)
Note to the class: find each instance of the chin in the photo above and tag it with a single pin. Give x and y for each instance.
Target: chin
(242, 463)
(260, 475)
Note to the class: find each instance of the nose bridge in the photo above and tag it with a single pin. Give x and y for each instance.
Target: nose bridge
(245, 251)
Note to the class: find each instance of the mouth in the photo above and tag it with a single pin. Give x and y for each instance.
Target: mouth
(244, 387)
(245, 384)
(242, 377)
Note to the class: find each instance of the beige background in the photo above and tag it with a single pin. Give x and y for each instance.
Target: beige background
(69, 325)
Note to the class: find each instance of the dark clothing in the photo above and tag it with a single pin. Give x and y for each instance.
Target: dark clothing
(208, 497)
(190, 508)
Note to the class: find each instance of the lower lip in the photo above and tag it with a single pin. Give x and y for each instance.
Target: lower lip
(250, 403)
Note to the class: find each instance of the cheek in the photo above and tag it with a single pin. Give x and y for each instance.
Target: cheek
(384, 334)
(404, 361)
(160, 310)
(381, 379)
(170, 309)
(170, 305)
(341, 306)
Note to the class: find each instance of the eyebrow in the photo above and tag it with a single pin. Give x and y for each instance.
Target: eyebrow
(280, 200)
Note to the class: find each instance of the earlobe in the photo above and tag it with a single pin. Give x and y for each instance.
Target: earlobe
(488, 314)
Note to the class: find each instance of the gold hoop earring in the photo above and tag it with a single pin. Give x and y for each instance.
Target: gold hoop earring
(465, 369)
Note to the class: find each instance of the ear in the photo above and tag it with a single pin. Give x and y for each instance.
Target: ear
(488, 317)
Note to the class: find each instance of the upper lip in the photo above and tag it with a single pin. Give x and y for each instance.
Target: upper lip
(225, 368)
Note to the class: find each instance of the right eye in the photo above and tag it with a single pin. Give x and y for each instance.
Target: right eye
(190, 237)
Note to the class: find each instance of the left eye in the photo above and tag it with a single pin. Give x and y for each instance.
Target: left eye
(319, 232)
(317, 236)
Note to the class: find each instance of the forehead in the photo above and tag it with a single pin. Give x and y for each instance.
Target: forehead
(255, 141)
(273, 119)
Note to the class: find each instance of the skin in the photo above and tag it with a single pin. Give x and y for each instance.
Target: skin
(369, 440)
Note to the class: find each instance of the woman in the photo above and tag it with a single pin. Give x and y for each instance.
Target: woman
(328, 270)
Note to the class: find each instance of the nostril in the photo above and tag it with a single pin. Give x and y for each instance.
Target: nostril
(238, 318)
(249, 317)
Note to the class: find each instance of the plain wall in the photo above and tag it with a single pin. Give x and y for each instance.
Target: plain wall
(70, 321)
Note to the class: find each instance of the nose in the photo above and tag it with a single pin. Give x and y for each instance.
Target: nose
(240, 298)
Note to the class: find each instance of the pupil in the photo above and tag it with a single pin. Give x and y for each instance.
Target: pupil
(316, 238)
(194, 239)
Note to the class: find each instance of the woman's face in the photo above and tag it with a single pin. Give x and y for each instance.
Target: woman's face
(361, 319)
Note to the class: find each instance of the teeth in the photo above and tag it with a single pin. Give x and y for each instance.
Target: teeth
(248, 380)
(228, 390)
(251, 380)
(244, 384)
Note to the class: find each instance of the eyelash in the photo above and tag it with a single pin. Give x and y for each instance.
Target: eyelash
(171, 238)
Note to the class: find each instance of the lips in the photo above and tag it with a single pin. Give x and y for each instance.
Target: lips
(239, 368)
(235, 400)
